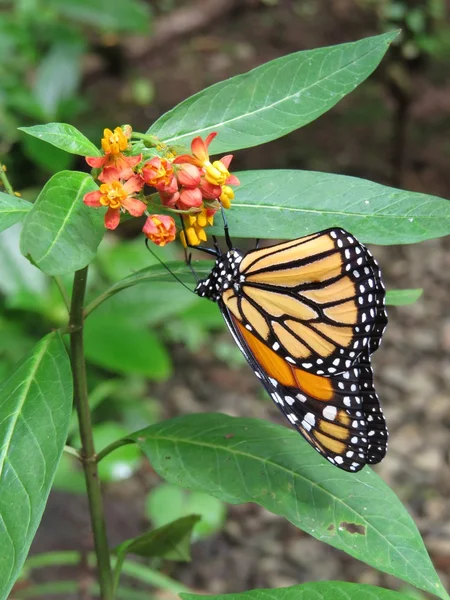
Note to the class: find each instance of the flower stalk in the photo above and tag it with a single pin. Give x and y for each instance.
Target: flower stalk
(88, 455)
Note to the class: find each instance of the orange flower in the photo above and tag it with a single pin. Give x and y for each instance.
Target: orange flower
(158, 173)
(117, 196)
(114, 142)
(199, 150)
(160, 229)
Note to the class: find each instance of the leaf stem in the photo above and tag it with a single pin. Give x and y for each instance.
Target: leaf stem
(88, 456)
(62, 290)
(72, 451)
(117, 444)
(4, 178)
(148, 139)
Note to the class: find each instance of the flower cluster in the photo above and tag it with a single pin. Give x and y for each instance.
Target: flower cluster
(189, 184)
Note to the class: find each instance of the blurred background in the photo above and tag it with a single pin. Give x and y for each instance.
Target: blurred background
(97, 64)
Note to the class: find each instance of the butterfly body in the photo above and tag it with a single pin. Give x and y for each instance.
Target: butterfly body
(307, 315)
(224, 275)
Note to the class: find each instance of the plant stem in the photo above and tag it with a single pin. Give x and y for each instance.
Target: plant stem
(8, 187)
(124, 442)
(88, 456)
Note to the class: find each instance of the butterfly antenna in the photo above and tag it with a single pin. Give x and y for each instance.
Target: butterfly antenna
(188, 259)
(168, 270)
(225, 228)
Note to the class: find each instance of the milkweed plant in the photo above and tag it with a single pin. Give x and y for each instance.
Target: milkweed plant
(170, 180)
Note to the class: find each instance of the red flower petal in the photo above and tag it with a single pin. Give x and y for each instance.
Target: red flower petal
(133, 160)
(190, 198)
(134, 184)
(210, 191)
(169, 199)
(199, 149)
(226, 160)
(112, 218)
(186, 158)
(136, 208)
(210, 138)
(93, 198)
(189, 175)
(96, 162)
(232, 180)
(109, 174)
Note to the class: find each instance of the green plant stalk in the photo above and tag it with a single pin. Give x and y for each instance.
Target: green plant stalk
(4, 178)
(42, 590)
(132, 569)
(112, 447)
(88, 456)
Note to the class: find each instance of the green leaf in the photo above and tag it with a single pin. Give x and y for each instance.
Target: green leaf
(273, 99)
(120, 15)
(60, 233)
(166, 502)
(288, 204)
(320, 590)
(63, 136)
(47, 156)
(36, 403)
(171, 541)
(155, 273)
(403, 297)
(123, 345)
(248, 460)
(12, 210)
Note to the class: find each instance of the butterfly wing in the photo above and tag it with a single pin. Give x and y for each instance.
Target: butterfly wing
(339, 415)
(318, 301)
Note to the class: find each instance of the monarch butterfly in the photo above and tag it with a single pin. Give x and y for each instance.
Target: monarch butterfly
(307, 314)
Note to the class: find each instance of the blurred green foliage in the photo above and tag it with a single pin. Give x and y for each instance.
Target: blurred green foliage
(167, 502)
(44, 45)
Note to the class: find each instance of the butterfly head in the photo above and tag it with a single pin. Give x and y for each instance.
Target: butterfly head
(224, 275)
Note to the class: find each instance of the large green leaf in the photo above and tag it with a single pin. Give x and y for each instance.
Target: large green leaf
(63, 136)
(61, 234)
(288, 204)
(124, 345)
(320, 590)
(35, 404)
(273, 99)
(249, 460)
(12, 210)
